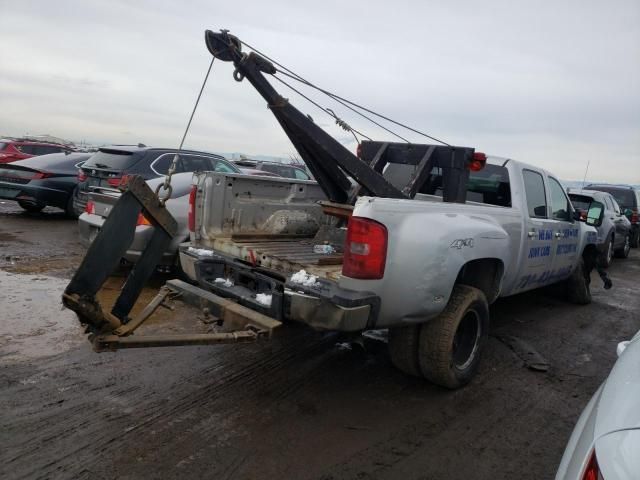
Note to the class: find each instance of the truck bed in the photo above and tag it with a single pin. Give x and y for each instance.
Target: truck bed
(284, 255)
(268, 222)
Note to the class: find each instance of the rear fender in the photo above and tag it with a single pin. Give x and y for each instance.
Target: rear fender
(425, 255)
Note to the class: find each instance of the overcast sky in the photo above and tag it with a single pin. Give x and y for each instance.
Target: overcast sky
(552, 83)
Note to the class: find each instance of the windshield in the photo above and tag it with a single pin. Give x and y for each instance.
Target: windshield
(112, 160)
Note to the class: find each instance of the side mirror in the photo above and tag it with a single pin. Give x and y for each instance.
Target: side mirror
(540, 211)
(595, 214)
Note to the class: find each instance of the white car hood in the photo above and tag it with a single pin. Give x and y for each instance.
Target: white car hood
(619, 405)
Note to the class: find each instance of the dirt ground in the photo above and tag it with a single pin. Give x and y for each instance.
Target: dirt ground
(306, 406)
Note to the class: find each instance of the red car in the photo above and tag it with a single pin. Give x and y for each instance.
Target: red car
(12, 150)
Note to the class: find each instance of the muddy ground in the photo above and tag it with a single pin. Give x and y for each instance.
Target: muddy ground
(306, 406)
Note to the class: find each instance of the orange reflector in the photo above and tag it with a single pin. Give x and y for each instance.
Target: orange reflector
(142, 220)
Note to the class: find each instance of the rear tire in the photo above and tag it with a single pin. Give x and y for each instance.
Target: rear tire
(626, 248)
(30, 207)
(451, 344)
(403, 349)
(69, 210)
(578, 290)
(606, 256)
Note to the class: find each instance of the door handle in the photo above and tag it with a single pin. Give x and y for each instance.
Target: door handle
(531, 234)
(559, 235)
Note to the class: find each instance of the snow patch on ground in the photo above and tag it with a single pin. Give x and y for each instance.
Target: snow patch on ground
(201, 252)
(225, 282)
(264, 299)
(303, 278)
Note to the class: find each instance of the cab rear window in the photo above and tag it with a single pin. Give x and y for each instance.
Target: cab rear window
(490, 185)
(580, 202)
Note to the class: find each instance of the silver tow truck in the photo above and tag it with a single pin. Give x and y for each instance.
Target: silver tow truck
(423, 268)
(416, 238)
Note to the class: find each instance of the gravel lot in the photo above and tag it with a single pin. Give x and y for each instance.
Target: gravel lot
(305, 406)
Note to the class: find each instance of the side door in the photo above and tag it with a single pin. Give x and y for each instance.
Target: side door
(620, 225)
(194, 163)
(538, 234)
(566, 233)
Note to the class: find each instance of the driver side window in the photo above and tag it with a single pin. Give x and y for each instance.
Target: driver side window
(560, 206)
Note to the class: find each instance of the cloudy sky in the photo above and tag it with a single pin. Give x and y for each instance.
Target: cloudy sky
(553, 83)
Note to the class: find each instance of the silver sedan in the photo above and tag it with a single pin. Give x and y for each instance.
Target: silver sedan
(605, 443)
(101, 202)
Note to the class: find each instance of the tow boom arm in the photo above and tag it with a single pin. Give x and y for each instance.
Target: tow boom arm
(329, 161)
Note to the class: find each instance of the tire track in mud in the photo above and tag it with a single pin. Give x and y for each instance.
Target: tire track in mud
(255, 374)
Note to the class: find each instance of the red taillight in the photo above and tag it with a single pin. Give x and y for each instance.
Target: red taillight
(124, 180)
(365, 249)
(583, 215)
(90, 207)
(81, 175)
(634, 216)
(359, 151)
(119, 181)
(478, 162)
(142, 220)
(592, 472)
(192, 208)
(40, 175)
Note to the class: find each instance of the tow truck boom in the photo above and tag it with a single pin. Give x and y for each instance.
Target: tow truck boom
(329, 161)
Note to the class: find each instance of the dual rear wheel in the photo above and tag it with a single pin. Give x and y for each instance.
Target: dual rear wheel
(446, 350)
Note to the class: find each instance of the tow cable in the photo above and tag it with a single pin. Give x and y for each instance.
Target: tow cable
(166, 185)
(113, 240)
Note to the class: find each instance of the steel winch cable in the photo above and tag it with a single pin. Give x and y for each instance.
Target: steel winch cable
(328, 111)
(166, 185)
(293, 75)
(340, 101)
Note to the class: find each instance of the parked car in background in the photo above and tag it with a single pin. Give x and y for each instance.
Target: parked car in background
(258, 173)
(605, 443)
(102, 200)
(614, 234)
(629, 200)
(16, 149)
(111, 167)
(44, 180)
(281, 169)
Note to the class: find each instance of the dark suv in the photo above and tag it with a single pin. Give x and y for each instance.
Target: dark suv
(281, 169)
(112, 166)
(629, 200)
(16, 149)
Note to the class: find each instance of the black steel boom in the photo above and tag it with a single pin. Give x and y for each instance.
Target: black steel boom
(329, 161)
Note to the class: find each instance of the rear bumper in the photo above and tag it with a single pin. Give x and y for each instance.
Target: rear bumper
(324, 306)
(34, 194)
